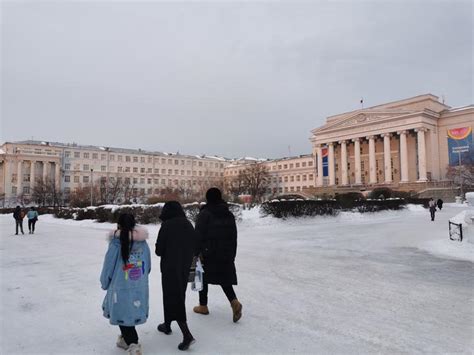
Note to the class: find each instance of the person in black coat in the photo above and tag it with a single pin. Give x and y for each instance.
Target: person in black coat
(217, 247)
(440, 204)
(18, 215)
(175, 245)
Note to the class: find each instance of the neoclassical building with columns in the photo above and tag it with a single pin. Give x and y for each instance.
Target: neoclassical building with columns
(401, 144)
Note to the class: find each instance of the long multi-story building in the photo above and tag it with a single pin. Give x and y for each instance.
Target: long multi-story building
(286, 175)
(72, 166)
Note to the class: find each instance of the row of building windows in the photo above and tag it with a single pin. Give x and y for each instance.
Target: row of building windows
(149, 181)
(292, 165)
(280, 190)
(292, 178)
(135, 159)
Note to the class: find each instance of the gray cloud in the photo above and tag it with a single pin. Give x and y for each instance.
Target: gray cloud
(249, 78)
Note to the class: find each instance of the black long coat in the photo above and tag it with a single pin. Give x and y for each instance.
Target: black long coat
(217, 234)
(175, 244)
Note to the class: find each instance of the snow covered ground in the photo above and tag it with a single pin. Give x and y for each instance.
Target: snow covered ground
(390, 282)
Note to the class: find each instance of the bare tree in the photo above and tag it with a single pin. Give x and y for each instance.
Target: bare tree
(462, 176)
(253, 180)
(47, 193)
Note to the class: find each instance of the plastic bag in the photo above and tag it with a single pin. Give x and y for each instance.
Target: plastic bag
(198, 282)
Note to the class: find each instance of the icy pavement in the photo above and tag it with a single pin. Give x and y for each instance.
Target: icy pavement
(390, 282)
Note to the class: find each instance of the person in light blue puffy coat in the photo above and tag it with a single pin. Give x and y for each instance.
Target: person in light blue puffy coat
(125, 278)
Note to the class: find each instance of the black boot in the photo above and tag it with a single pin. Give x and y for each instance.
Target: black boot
(164, 328)
(187, 336)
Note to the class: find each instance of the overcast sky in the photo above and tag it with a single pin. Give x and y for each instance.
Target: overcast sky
(228, 78)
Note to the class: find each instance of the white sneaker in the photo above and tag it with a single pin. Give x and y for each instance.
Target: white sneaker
(121, 343)
(135, 349)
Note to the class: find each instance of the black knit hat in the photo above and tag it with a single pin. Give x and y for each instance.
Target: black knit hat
(213, 195)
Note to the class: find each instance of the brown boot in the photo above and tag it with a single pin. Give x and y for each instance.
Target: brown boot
(201, 309)
(236, 309)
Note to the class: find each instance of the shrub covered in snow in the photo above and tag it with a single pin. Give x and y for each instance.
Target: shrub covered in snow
(144, 214)
(299, 208)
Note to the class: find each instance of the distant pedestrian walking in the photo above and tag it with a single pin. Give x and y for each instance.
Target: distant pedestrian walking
(440, 204)
(18, 215)
(432, 206)
(217, 234)
(32, 216)
(125, 277)
(175, 245)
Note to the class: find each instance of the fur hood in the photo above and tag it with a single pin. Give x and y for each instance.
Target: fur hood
(139, 234)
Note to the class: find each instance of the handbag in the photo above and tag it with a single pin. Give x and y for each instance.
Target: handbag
(198, 282)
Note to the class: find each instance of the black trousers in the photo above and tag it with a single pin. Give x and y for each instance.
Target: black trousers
(129, 334)
(31, 225)
(432, 215)
(228, 290)
(19, 223)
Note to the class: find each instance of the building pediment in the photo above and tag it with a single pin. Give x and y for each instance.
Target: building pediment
(361, 118)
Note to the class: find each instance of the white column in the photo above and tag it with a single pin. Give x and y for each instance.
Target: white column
(32, 175)
(45, 170)
(19, 177)
(387, 158)
(372, 161)
(331, 167)
(344, 179)
(358, 172)
(421, 155)
(403, 156)
(319, 152)
(57, 176)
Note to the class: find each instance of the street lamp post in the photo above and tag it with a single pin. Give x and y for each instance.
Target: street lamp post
(92, 185)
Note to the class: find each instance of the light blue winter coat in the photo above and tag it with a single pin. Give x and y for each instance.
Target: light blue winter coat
(32, 214)
(126, 301)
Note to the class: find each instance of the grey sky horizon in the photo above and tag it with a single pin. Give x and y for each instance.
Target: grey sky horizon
(232, 78)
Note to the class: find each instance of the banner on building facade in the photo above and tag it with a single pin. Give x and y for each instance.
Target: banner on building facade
(325, 153)
(460, 147)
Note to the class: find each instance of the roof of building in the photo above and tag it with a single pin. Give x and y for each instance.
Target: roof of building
(117, 150)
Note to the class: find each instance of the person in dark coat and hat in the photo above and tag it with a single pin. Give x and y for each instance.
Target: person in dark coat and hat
(217, 234)
(175, 245)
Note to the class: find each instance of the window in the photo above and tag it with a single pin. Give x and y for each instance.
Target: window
(163, 171)
(182, 162)
(127, 158)
(112, 157)
(311, 176)
(119, 158)
(67, 190)
(304, 177)
(297, 165)
(26, 189)
(200, 163)
(142, 159)
(310, 163)
(67, 178)
(298, 177)
(85, 167)
(150, 170)
(67, 166)
(85, 179)
(14, 190)
(163, 161)
(292, 178)
(163, 181)
(176, 162)
(135, 180)
(76, 179)
(142, 170)
(95, 156)
(86, 155)
(103, 157)
(119, 169)
(176, 172)
(150, 159)
(285, 166)
(135, 170)
(142, 181)
(67, 154)
(77, 154)
(286, 178)
(170, 161)
(291, 166)
(182, 172)
(103, 168)
(170, 172)
(303, 164)
(127, 169)
(135, 159)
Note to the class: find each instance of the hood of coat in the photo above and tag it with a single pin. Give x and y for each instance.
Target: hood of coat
(139, 234)
(172, 209)
(219, 209)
